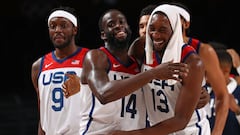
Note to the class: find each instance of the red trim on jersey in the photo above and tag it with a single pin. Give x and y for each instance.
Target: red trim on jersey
(195, 43)
(116, 65)
(186, 51)
(74, 60)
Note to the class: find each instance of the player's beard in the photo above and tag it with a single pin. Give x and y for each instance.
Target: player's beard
(64, 44)
(120, 44)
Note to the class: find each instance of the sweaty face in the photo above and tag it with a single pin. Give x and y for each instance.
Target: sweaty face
(160, 31)
(61, 32)
(116, 29)
(143, 25)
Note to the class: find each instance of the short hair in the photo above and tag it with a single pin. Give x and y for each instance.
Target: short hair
(147, 10)
(217, 45)
(224, 57)
(100, 20)
(104, 13)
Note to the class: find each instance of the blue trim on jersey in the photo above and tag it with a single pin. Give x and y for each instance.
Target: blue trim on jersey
(159, 59)
(90, 115)
(199, 118)
(147, 121)
(62, 60)
(109, 61)
(129, 63)
(109, 66)
(231, 125)
(189, 40)
(186, 56)
(198, 46)
(41, 66)
(189, 53)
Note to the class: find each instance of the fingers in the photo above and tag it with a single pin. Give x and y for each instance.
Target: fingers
(169, 70)
(65, 91)
(180, 69)
(179, 66)
(176, 78)
(71, 86)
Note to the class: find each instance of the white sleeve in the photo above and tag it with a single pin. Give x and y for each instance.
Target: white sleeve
(238, 118)
(238, 70)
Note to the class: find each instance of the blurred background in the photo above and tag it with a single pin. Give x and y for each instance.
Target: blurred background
(25, 38)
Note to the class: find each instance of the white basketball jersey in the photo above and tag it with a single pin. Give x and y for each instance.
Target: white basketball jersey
(59, 115)
(127, 113)
(161, 97)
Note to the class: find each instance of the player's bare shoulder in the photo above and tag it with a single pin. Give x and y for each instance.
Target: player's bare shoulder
(137, 48)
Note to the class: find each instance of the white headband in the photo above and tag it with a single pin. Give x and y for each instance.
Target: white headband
(183, 13)
(65, 14)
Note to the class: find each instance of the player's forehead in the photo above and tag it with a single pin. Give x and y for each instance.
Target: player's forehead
(114, 15)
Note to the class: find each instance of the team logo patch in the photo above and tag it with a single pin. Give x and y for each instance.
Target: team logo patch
(116, 65)
(75, 62)
(47, 65)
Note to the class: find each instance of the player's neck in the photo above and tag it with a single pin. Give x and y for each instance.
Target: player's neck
(65, 52)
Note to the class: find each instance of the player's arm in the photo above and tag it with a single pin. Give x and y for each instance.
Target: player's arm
(96, 66)
(34, 77)
(204, 98)
(190, 91)
(216, 79)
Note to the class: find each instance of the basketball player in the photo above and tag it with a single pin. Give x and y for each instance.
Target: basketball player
(213, 71)
(171, 105)
(143, 20)
(232, 123)
(111, 81)
(59, 113)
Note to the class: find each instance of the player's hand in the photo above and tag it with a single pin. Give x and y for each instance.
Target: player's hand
(71, 86)
(170, 70)
(204, 98)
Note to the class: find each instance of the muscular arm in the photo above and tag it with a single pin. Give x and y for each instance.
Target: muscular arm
(137, 50)
(34, 77)
(95, 74)
(190, 91)
(216, 79)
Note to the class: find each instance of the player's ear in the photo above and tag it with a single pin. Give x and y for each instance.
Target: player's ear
(186, 24)
(75, 30)
(103, 36)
